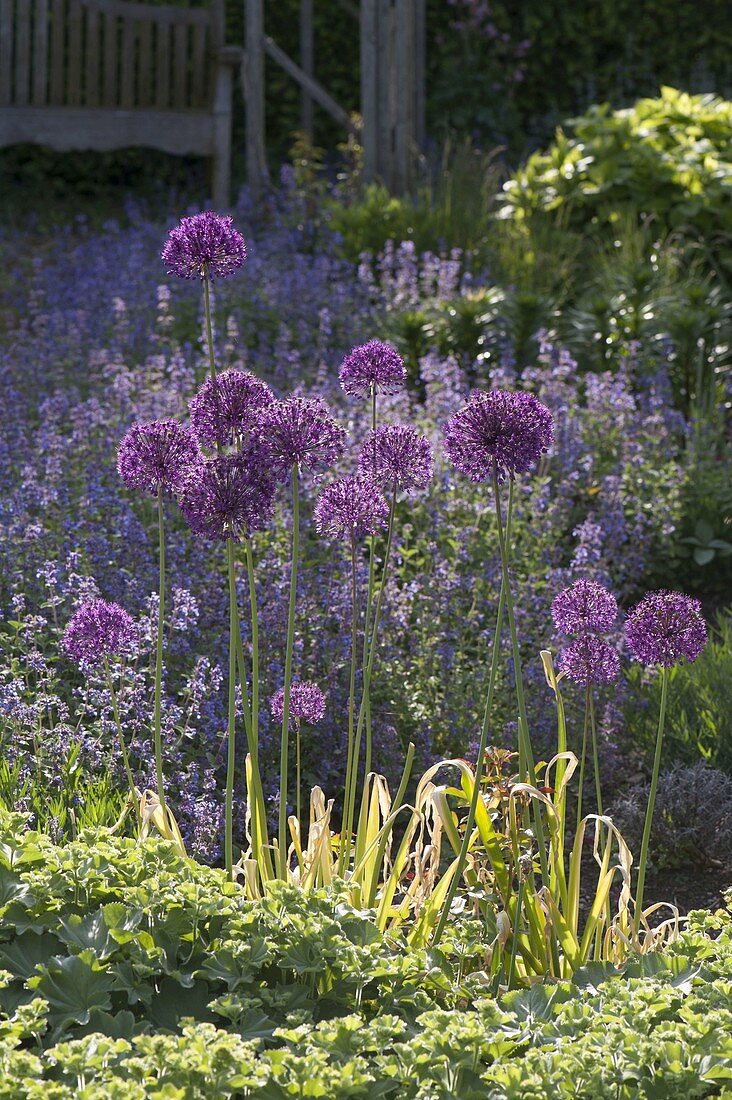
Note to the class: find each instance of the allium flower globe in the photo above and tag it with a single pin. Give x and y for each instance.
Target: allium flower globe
(97, 630)
(590, 660)
(157, 455)
(300, 432)
(307, 702)
(227, 406)
(397, 456)
(350, 506)
(373, 367)
(584, 606)
(228, 496)
(499, 429)
(664, 628)
(205, 245)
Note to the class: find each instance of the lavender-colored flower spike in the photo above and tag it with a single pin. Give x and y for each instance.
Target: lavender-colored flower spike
(97, 630)
(590, 660)
(350, 506)
(397, 456)
(584, 606)
(227, 406)
(300, 432)
(156, 456)
(228, 496)
(664, 628)
(373, 366)
(508, 431)
(307, 702)
(206, 244)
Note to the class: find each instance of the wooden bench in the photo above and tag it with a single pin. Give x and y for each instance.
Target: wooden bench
(107, 74)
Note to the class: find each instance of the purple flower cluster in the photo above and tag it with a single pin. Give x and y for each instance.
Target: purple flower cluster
(228, 496)
(307, 702)
(590, 660)
(98, 630)
(499, 432)
(204, 245)
(227, 406)
(157, 456)
(375, 367)
(396, 456)
(584, 606)
(664, 628)
(300, 432)
(350, 506)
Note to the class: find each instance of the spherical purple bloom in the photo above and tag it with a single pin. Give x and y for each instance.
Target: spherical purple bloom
(206, 244)
(499, 429)
(584, 606)
(157, 456)
(228, 405)
(350, 506)
(397, 456)
(665, 627)
(590, 660)
(228, 496)
(300, 432)
(372, 367)
(307, 702)
(99, 629)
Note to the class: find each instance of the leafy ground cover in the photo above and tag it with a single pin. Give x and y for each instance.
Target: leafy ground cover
(131, 972)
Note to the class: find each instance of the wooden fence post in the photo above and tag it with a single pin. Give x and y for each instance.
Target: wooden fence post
(253, 82)
(307, 64)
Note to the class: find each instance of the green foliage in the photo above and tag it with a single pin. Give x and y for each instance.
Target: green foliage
(665, 158)
(132, 973)
(699, 721)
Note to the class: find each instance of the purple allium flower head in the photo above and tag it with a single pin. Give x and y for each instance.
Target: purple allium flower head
(350, 506)
(665, 627)
(301, 432)
(206, 244)
(376, 365)
(590, 660)
(307, 702)
(396, 455)
(584, 606)
(228, 496)
(156, 456)
(227, 406)
(510, 430)
(97, 630)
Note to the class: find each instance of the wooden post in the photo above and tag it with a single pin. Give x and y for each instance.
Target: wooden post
(369, 85)
(420, 59)
(307, 64)
(253, 81)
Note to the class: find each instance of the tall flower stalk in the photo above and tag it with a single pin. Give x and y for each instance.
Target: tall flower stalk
(157, 727)
(289, 646)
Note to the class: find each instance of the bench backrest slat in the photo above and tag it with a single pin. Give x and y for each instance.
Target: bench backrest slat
(40, 53)
(22, 51)
(127, 65)
(111, 58)
(162, 64)
(92, 58)
(58, 52)
(73, 80)
(6, 51)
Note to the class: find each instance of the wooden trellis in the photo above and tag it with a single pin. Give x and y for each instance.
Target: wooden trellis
(392, 52)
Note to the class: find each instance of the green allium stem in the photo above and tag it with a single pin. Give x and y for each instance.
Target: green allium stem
(231, 739)
(369, 604)
(159, 661)
(120, 738)
(284, 743)
(351, 764)
(595, 754)
(209, 326)
(583, 757)
(255, 640)
(651, 802)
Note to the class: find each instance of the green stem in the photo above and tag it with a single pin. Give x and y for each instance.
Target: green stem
(595, 754)
(297, 767)
(120, 738)
(284, 743)
(351, 764)
(159, 660)
(209, 326)
(255, 640)
(231, 743)
(526, 756)
(651, 802)
(583, 757)
(369, 603)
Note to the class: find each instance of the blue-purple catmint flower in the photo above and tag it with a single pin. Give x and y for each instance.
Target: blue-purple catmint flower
(157, 455)
(300, 432)
(397, 456)
(307, 702)
(373, 367)
(584, 607)
(228, 496)
(99, 629)
(664, 628)
(499, 430)
(227, 406)
(590, 660)
(205, 245)
(350, 506)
